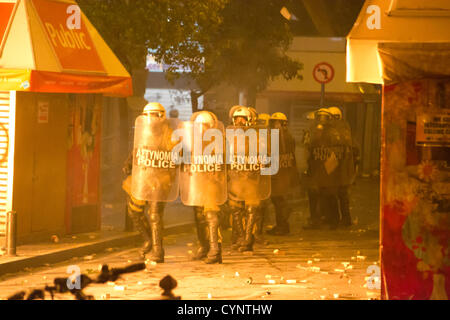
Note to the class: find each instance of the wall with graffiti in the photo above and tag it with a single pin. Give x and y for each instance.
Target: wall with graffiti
(416, 190)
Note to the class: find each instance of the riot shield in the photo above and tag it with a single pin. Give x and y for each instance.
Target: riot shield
(287, 179)
(155, 173)
(331, 157)
(346, 168)
(247, 152)
(203, 180)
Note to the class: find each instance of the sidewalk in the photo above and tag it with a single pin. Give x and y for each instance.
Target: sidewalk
(46, 253)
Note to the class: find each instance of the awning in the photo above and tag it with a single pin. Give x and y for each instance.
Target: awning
(384, 24)
(44, 50)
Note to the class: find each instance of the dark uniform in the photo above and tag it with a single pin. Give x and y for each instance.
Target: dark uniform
(155, 173)
(284, 182)
(348, 171)
(331, 166)
(136, 209)
(203, 184)
(246, 188)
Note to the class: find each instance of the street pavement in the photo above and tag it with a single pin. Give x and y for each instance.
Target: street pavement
(307, 264)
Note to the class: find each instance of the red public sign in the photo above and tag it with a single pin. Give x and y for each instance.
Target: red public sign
(6, 10)
(74, 48)
(323, 72)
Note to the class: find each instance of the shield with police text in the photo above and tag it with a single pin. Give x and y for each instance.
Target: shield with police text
(286, 180)
(248, 152)
(331, 157)
(155, 174)
(203, 180)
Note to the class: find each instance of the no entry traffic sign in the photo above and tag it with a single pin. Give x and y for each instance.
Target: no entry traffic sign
(323, 72)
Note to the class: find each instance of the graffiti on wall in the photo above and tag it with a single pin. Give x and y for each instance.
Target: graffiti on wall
(415, 197)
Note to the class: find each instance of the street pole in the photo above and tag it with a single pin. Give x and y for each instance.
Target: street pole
(11, 233)
(322, 94)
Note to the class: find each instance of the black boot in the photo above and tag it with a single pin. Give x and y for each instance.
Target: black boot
(281, 217)
(237, 233)
(249, 238)
(259, 233)
(202, 233)
(156, 224)
(344, 204)
(140, 223)
(215, 248)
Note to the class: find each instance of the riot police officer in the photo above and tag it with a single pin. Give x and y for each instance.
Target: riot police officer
(330, 163)
(286, 179)
(203, 182)
(312, 190)
(262, 121)
(349, 172)
(246, 186)
(155, 172)
(136, 209)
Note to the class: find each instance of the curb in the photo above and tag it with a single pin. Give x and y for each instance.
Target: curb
(81, 250)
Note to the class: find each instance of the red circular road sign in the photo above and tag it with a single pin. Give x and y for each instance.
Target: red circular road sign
(323, 72)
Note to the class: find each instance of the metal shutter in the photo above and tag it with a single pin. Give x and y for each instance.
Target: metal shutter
(4, 146)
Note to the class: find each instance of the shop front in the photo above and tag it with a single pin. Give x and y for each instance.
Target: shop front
(405, 46)
(54, 70)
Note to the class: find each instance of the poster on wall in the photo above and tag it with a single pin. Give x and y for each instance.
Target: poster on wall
(433, 129)
(83, 164)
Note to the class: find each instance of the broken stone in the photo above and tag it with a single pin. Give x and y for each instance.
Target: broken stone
(92, 237)
(190, 244)
(55, 238)
(345, 264)
(336, 295)
(90, 257)
(236, 274)
(271, 281)
(209, 296)
(315, 269)
(291, 281)
(119, 288)
(310, 262)
(276, 251)
(268, 276)
(316, 260)
(339, 270)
